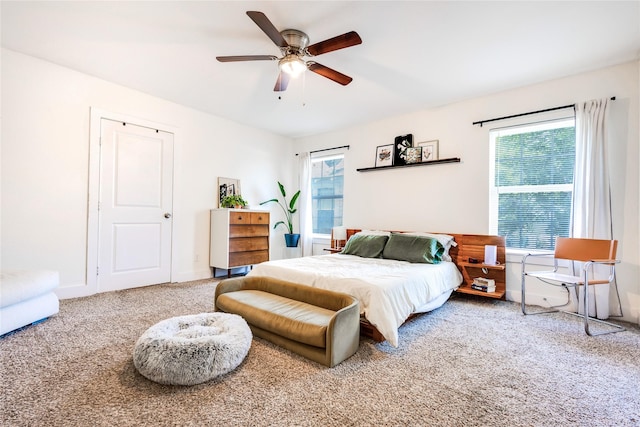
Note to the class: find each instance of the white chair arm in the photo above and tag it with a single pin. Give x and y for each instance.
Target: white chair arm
(537, 255)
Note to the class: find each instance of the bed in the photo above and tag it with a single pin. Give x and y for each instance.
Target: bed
(390, 289)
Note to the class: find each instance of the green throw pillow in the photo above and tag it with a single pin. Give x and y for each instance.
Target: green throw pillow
(366, 246)
(418, 249)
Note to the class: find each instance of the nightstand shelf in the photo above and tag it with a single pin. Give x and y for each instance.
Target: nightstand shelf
(480, 265)
(333, 250)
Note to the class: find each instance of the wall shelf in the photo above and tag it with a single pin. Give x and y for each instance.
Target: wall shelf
(432, 162)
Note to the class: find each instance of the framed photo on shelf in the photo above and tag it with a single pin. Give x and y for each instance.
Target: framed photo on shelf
(414, 155)
(401, 144)
(429, 150)
(384, 155)
(227, 187)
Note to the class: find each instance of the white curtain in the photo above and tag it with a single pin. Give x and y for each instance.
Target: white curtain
(306, 220)
(591, 192)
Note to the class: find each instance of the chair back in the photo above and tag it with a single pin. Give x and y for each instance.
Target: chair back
(585, 249)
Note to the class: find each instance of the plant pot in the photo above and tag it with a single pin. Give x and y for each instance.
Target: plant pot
(291, 240)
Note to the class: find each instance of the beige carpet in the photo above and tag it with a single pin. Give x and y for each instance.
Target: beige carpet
(473, 362)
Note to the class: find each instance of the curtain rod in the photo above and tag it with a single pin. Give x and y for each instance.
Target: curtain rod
(481, 122)
(327, 149)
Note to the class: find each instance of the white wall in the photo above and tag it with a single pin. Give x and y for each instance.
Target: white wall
(454, 197)
(45, 168)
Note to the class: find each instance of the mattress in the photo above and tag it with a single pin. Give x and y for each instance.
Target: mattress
(388, 290)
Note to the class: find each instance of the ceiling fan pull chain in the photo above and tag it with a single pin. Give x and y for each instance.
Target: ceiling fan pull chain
(304, 85)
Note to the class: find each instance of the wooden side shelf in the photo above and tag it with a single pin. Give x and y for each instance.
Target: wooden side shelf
(473, 247)
(333, 250)
(432, 162)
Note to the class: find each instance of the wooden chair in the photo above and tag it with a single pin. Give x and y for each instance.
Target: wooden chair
(591, 252)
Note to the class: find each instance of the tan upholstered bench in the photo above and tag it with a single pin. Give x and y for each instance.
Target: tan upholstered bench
(321, 325)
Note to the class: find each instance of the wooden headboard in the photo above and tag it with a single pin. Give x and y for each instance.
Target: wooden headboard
(471, 246)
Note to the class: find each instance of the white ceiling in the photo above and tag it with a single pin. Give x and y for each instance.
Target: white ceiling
(414, 55)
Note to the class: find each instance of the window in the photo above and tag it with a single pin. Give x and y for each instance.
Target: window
(532, 183)
(327, 182)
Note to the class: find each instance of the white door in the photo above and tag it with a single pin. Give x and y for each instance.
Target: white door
(135, 208)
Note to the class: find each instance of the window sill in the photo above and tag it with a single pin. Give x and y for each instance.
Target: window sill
(515, 256)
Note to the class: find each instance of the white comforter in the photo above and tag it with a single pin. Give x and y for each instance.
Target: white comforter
(388, 291)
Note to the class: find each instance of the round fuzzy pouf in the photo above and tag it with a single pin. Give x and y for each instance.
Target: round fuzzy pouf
(192, 349)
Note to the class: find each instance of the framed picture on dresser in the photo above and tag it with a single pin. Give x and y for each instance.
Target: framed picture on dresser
(227, 187)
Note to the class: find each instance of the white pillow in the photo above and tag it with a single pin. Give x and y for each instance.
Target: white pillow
(374, 233)
(445, 240)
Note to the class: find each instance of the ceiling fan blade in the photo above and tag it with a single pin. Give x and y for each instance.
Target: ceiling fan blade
(265, 25)
(246, 58)
(339, 42)
(329, 73)
(282, 82)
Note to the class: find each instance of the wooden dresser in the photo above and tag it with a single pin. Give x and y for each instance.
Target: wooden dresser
(239, 237)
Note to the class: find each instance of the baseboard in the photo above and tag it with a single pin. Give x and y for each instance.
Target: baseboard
(84, 290)
(74, 291)
(538, 299)
(188, 276)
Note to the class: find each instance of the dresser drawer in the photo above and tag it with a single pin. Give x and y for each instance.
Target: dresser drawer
(244, 244)
(260, 218)
(236, 259)
(236, 230)
(240, 217)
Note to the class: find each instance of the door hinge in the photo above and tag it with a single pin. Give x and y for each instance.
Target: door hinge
(97, 271)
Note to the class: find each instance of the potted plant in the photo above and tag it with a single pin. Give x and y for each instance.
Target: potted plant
(233, 201)
(291, 239)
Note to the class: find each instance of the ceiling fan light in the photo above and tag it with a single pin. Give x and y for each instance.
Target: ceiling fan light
(292, 65)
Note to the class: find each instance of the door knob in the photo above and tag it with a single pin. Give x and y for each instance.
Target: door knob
(167, 215)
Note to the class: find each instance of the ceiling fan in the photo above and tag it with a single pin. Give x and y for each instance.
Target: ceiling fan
(294, 46)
